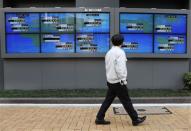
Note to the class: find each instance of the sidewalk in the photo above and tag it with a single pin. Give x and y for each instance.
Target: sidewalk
(82, 119)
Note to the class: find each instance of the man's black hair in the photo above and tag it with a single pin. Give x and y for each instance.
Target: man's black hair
(117, 39)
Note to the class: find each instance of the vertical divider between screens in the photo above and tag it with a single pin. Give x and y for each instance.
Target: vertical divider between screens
(153, 34)
(5, 37)
(75, 33)
(110, 28)
(40, 33)
(186, 33)
(118, 22)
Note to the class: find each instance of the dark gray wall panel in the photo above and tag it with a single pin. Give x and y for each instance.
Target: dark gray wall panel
(90, 74)
(23, 75)
(140, 74)
(59, 74)
(73, 74)
(97, 3)
(1, 75)
(1, 3)
(169, 73)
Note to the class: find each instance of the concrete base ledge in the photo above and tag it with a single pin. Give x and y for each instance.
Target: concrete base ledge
(93, 100)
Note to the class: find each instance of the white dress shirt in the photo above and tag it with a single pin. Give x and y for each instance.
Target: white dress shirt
(115, 64)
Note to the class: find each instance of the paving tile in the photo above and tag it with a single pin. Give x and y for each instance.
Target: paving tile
(82, 119)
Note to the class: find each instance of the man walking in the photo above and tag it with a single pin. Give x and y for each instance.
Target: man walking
(116, 73)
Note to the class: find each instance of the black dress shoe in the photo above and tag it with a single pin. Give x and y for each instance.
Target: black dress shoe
(102, 122)
(138, 121)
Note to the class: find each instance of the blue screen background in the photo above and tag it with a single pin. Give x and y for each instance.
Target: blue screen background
(32, 19)
(64, 18)
(145, 42)
(146, 19)
(23, 43)
(102, 40)
(178, 24)
(81, 28)
(49, 47)
(179, 48)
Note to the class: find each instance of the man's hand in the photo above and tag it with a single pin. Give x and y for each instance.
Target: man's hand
(123, 82)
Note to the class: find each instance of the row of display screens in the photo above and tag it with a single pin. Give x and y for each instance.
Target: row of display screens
(169, 35)
(93, 22)
(94, 43)
(144, 23)
(57, 22)
(90, 32)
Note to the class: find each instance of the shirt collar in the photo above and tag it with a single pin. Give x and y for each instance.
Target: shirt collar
(116, 47)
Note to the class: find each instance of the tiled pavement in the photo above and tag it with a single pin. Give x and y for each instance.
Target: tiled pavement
(82, 119)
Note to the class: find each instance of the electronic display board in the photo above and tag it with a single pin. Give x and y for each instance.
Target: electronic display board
(170, 44)
(92, 43)
(22, 43)
(22, 23)
(92, 22)
(136, 23)
(138, 43)
(55, 43)
(170, 23)
(57, 22)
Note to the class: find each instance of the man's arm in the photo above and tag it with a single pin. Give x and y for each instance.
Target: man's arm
(120, 68)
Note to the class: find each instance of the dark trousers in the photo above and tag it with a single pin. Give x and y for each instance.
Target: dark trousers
(122, 93)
